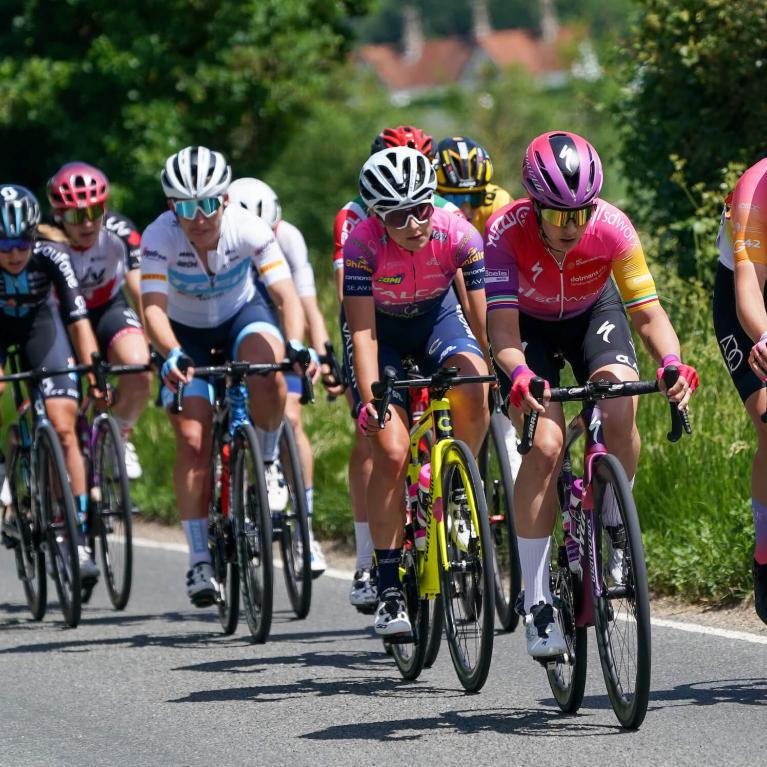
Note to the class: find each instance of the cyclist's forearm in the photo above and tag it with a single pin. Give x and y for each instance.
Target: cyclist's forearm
(657, 333)
(365, 355)
(84, 342)
(338, 274)
(159, 329)
(504, 336)
(317, 331)
(749, 298)
(477, 317)
(289, 307)
(133, 286)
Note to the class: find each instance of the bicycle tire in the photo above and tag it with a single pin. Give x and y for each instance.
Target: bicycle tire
(495, 470)
(252, 523)
(622, 618)
(410, 656)
(30, 558)
(221, 544)
(468, 584)
(59, 521)
(112, 519)
(436, 628)
(294, 535)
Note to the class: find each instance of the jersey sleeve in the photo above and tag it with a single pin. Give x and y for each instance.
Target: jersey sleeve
(293, 246)
(62, 275)
(748, 216)
(358, 265)
(267, 256)
(633, 278)
(126, 230)
(346, 219)
(501, 274)
(155, 249)
(470, 259)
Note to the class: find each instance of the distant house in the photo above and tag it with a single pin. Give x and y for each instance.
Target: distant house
(418, 66)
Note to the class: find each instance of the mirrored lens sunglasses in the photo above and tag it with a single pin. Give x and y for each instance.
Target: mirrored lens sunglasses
(79, 215)
(556, 217)
(188, 208)
(398, 219)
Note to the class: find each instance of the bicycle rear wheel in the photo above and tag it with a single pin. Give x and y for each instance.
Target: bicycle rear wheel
(410, 656)
(622, 613)
(252, 523)
(495, 468)
(30, 559)
(112, 517)
(294, 535)
(57, 510)
(468, 588)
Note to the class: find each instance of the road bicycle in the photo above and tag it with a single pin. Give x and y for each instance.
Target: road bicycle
(109, 507)
(240, 531)
(598, 575)
(456, 559)
(41, 522)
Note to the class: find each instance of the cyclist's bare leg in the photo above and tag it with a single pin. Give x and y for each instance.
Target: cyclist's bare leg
(755, 405)
(266, 394)
(385, 496)
(468, 403)
(191, 472)
(62, 412)
(293, 414)
(619, 419)
(133, 391)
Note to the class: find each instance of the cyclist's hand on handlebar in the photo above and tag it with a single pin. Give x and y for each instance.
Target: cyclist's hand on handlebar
(520, 396)
(313, 371)
(333, 387)
(367, 419)
(685, 385)
(101, 399)
(300, 356)
(757, 359)
(177, 368)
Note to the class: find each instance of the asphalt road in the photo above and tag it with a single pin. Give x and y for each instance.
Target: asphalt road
(159, 685)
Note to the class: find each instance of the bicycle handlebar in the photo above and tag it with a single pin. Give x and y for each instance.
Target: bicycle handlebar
(602, 389)
(336, 370)
(98, 367)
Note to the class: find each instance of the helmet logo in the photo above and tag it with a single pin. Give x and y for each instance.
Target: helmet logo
(570, 156)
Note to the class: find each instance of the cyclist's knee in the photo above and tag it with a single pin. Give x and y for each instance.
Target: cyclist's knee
(470, 401)
(389, 457)
(547, 448)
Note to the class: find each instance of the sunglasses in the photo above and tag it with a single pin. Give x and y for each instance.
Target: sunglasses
(556, 217)
(188, 208)
(399, 219)
(474, 199)
(80, 215)
(17, 243)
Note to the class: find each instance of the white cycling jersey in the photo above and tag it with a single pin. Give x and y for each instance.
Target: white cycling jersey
(203, 298)
(293, 246)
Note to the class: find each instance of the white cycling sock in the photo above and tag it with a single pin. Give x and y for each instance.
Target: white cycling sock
(310, 506)
(364, 545)
(270, 443)
(196, 531)
(534, 555)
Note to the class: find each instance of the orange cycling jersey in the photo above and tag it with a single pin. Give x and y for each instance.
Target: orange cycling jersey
(521, 273)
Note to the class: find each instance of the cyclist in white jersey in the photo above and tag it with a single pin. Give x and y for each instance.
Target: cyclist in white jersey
(259, 198)
(198, 293)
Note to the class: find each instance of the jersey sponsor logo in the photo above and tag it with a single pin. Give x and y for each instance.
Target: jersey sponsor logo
(619, 221)
(496, 275)
(733, 356)
(153, 254)
(433, 348)
(741, 245)
(473, 256)
(537, 270)
(405, 295)
(624, 360)
(61, 259)
(605, 329)
(438, 235)
(351, 263)
(391, 279)
(506, 221)
(576, 279)
(119, 226)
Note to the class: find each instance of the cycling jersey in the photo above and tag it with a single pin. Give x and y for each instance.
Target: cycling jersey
(354, 212)
(743, 229)
(23, 294)
(101, 269)
(293, 247)
(495, 198)
(405, 283)
(203, 298)
(522, 274)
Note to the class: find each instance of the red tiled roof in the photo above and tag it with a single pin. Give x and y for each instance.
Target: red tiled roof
(518, 46)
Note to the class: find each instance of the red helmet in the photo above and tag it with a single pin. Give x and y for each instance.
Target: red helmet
(77, 185)
(403, 135)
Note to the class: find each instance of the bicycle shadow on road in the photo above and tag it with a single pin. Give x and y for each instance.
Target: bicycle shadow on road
(745, 692)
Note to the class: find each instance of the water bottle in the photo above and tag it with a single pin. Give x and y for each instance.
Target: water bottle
(569, 517)
(419, 523)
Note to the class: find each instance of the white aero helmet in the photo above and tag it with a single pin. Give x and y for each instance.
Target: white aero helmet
(194, 173)
(399, 177)
(257, 197)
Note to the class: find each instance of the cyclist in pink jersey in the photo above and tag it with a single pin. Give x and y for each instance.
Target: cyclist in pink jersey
(549, 263)
(740, 322)
(398, 271)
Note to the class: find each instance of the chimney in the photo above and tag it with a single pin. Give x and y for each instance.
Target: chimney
(412, 36)
(549, 21)
(480, 19)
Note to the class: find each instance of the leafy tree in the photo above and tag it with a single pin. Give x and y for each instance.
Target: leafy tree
(694, 112)
(125, 84)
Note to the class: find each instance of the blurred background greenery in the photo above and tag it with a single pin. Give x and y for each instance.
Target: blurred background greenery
(670, 93)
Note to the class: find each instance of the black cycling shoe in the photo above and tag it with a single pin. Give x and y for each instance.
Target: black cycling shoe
(760, 589)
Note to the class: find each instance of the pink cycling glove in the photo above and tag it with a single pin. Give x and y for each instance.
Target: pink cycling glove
(520, 384)
(688, 371)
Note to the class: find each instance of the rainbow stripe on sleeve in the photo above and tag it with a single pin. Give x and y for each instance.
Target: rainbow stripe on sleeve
(640, 302)
(510, 301)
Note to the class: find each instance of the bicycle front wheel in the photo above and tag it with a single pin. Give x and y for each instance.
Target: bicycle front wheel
(59, 521)
(294, 535)
(468, 588)
(252, 523)
(30, 560)
(495, 468)
(436, 627)
(622, 612)
(112, 519)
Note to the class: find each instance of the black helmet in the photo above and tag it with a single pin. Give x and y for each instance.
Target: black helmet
(19, 212)
(462, 165)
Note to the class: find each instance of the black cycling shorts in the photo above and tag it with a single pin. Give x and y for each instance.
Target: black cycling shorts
(112, 320)
(734, 343)
(598, 337)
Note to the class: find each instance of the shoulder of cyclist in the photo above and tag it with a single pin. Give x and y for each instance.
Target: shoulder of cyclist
(56, 263)
(120, 226)
(748, 214)
(346, 219)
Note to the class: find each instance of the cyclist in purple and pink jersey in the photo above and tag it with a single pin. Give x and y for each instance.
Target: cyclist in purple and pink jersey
(399, 266)
(550, 264)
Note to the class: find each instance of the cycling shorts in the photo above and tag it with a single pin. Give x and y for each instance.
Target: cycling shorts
(734, 343)
(43, 342)
(113, 320)
(430, 339)
(202, 344)
(598, 337)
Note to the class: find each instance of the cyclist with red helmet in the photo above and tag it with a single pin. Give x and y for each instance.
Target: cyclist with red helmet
(551, 259)
(363, 594)
(103, 247)
(29, 269)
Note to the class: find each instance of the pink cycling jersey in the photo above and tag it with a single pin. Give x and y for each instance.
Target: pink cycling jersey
(522, 274)
(405, 283)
